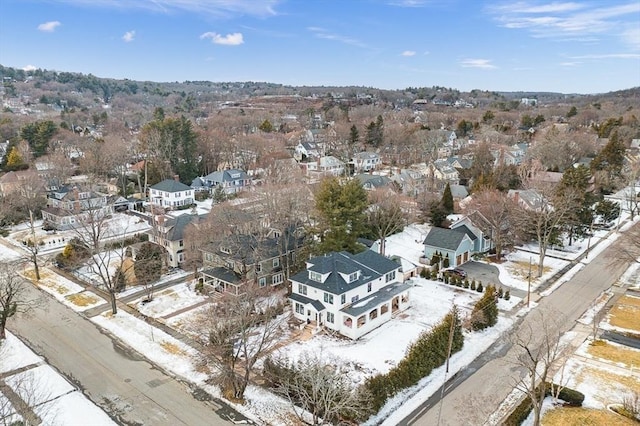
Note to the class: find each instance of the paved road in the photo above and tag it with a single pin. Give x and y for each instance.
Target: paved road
(114, 377)
(470, 403)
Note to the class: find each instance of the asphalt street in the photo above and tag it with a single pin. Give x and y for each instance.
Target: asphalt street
(117, 379)
(473, 401)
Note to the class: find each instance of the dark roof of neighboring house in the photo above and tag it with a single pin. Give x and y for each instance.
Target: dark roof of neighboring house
(251, 249)
(223, 274)
(374, 180)
(371, 264)
(226, 176)
(170, 185)
(177, 226)
(445, 238)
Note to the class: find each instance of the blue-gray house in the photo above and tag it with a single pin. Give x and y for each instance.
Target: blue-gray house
(454, 244)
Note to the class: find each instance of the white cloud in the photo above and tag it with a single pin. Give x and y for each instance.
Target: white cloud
(327, 35)
(219, 8)
(234, 39)
(49, 27)
(569, 64)
(632, 38)
(408, 53)
(568, 20)
(477, 63)
(29, 68)
(408, 3)
(129, 36)
(609, 56)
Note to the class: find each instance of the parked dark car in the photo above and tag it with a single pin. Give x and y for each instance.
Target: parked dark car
(456, 272)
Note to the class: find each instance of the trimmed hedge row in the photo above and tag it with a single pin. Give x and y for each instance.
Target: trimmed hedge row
(572, 397)
(429, 351)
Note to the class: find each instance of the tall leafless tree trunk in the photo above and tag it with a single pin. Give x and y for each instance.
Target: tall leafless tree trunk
(539, 355)
(236, 333)
(13, 294)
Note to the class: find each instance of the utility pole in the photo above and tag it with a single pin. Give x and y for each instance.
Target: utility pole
(529, 283)
(444, 380)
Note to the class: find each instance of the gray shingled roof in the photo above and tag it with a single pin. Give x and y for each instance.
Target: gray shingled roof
(370, 263)
(444, 238)
(386, 293)
(318, 306)
(170, 185)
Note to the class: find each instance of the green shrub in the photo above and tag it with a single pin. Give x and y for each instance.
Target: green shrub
(479, 288)
(568, 395)
(429, 351)
(507, 295)
(473, 285)
(520, 414)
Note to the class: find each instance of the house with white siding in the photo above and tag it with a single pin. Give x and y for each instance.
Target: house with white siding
(171, 194)
(351, 294)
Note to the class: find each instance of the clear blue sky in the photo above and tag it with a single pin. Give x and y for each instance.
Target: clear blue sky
(530, 45)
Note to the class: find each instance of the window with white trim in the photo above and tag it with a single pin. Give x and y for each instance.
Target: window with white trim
(262, 281)
(299, 309)
(330, 317)
(314, 276)
(302, 289)
(276, 262)
(258, 267)
(343, 299)
(369, 288)
(355, 298)
(353, 277)
(277, 279)
(328, 298)
(390, 276)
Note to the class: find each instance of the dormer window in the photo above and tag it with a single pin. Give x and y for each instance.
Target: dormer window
(314, 276)
(225, 250)
(353, 277)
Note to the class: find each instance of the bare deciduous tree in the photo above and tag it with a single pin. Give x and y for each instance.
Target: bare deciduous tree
(320, 386)
(13, 294)
(539, 355)
(92, 229)
(236, 332)
(547, 211)
(385, 216)
(492, 211)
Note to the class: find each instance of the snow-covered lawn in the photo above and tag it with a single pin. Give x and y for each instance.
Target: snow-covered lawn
(169, 300)
(514, 270)
(155, 344)
(408, 243)
(52, 397)
(67, 292)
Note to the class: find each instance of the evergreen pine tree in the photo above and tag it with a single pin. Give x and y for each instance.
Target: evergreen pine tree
(447, 199)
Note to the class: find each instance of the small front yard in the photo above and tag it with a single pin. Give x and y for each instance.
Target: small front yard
(626, 313)
(579, 416)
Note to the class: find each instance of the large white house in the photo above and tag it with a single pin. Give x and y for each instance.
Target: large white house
(347, 293)
(171, 194)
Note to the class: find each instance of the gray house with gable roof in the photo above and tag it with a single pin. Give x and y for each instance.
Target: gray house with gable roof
(347, 293)
(455, 244)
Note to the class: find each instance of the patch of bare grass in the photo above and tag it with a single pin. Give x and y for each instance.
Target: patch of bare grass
(172, 348)
(82, 299)
(628, 357)
(630, 300)
(578, 416)
(520, 268)
(625, 316)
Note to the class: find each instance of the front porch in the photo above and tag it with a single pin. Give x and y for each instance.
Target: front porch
(373, 311)
(223, 280)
